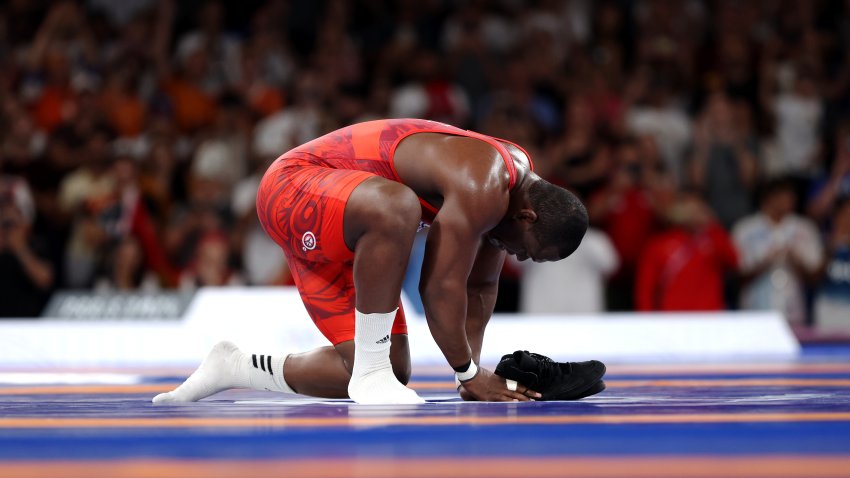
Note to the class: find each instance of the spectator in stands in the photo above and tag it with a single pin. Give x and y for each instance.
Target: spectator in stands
(262, 259)
(266, 68)
(605, 98)
(625, 209)
(798, 112)
(120, 14)
(84, 195)
(573, 286)
(828, 189)
(207, 212)
(580, 161)
(191, 93)
(516, 92)
(475, 26)
(602, 94)
(133, 42)
(58, 65)
(210, 265)
(221, 51)
(206, 208)
(56, 98)
(22, 143)
(429, 93)
(682, 267)
(655, 112)
(125, 271)
(222, 155)
(724, 162)
(120, 101)
(160, 181)
(832, 305)
(304, 119)
(337, 56)
(133, 219)
(733, 66)
(27, 276)
(471, 54)
(780, 253)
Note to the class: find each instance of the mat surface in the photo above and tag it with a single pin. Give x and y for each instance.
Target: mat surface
(764, 420)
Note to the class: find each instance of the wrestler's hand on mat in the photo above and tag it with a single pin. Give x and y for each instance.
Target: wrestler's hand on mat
(489, 387)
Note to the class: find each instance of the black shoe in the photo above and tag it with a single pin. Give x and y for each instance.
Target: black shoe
(593, 390)
(554, 380)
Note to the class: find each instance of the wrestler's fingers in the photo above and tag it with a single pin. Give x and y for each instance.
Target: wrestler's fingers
(524, 390)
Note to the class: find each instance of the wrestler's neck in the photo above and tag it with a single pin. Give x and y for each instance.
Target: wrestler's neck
(519, 194)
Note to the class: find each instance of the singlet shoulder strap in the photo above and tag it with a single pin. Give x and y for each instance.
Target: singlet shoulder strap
(503, 151)
(404, 128)
(527, 156)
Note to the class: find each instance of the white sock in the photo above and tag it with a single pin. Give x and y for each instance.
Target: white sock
(372, 379)
(227, 367)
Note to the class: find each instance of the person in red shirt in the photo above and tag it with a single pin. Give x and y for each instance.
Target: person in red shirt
(627, 209)
(682, 267)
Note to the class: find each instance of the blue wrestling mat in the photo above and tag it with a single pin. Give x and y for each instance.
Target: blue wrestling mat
(750, 420)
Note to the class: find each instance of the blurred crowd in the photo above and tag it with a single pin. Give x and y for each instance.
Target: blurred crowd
(709, 139)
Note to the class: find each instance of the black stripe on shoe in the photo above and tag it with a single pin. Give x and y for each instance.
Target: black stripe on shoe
(269, 362)
(263, 362)
(254, 357)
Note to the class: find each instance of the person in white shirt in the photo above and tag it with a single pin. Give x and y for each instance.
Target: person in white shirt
(780, 252)
(657, 112)
(798, 110)
(575, 285)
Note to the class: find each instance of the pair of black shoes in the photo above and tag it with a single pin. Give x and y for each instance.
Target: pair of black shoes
(554, 380)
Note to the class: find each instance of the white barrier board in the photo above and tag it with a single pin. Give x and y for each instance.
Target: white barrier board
(264, 320)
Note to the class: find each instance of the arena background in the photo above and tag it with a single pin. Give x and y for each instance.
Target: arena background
(710, 141)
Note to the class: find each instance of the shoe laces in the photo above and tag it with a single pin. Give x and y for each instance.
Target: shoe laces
(548, 368)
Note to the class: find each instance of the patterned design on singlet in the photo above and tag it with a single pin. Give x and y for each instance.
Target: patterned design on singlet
(370, 147)
(301, 206)
(302, 210)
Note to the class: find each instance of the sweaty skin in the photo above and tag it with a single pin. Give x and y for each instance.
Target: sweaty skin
(467, 180)
(367, 211)
(478, 221)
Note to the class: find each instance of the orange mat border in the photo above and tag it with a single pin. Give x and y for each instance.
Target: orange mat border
(371, 421)
(601, 467)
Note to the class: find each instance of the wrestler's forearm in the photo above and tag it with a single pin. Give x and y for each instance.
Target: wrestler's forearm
(443, 308)
(480, 305)
(451, 265)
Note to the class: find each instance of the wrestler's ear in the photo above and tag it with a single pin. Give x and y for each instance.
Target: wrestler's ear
(526, 215)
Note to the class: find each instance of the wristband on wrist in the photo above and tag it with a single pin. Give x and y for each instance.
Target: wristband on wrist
(464, 367)
(468, 374)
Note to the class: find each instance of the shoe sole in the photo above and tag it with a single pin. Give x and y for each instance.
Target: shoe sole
(593, 389)
(579, 393)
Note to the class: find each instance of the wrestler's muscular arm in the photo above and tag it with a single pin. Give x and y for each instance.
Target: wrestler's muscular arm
(482, 288)
(450, 256)
(467, 179)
